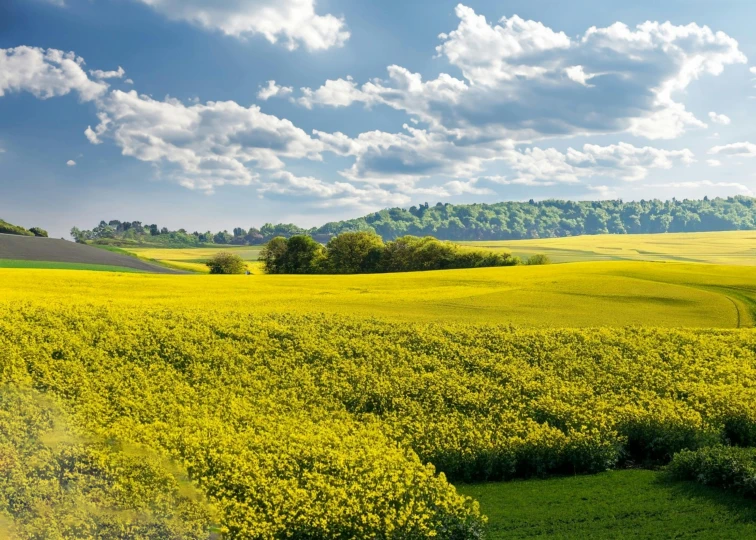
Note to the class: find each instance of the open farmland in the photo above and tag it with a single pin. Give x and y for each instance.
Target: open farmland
(723, 248)
(30, 252)
(193, 259)
(731, 248)
(326, 425)
(572, 295)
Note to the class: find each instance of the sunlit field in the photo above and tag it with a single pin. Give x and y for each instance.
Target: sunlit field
(254, 406)
(571, 295)
(736, 247)
(193, 259)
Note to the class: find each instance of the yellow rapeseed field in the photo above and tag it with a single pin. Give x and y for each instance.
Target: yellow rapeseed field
(574, 295)
(159, 406)
(728, 247)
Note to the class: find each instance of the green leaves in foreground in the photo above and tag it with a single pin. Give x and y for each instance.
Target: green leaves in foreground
(727, 467)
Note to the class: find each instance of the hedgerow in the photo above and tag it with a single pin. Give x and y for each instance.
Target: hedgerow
(727, 467)
(324, 426)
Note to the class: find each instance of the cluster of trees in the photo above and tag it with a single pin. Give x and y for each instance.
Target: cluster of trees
(365, 252)
(9, 228)
(117, 232)
(500, 221)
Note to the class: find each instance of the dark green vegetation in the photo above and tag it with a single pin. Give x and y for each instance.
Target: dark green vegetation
(365, 252)
(226, 263)
(8, 228)
(731, 468)
(619, 504)
(500, 221)
(52, 265)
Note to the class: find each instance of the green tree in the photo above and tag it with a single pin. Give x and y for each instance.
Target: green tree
(226, 263)
(304, 256)
(273, 255)
(39, 232)
(354, 252)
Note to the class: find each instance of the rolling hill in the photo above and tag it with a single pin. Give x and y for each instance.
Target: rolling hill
(18, 251)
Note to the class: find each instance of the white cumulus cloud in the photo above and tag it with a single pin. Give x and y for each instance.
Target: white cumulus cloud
(100, 74)
(525, 81)
(46, 73)
(740, 149)
(720, 119)
(71, 163)
(271, 90)
(293, 22)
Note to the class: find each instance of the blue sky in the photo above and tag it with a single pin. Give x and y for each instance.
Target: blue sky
(189, 115)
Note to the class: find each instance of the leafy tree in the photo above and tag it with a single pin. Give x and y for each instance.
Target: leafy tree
(354, 252)
(303, 256)
(226, 263)
(273, 255)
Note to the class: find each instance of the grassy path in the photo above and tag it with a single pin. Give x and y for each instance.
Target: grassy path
(635, 504)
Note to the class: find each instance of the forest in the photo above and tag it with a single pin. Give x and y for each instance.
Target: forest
(499, 221)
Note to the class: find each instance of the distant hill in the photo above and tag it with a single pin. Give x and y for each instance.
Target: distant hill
(499, 221)
(9, 228)
(19, 247)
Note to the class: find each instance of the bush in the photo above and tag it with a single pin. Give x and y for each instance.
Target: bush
(9, 228)
(36, 231)
(726, 467)
(226, 263)
(537, 260)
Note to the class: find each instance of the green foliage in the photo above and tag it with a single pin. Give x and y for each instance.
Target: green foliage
(226, 263)
(727, 467)
(354, 253)
(297, 255)
(363, 252)
(8, 228)
(469, 222)
(538, 260)
(39, 232)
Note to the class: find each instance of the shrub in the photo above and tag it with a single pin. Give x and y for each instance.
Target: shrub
(726, 467)
(537, 260)
(36, 231)
(9, 228)
(226, 263)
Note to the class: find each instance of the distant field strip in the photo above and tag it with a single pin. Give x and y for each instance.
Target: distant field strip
(565, 295)
(732, 247)
(51, 265)
(193, 259)
(50, 250)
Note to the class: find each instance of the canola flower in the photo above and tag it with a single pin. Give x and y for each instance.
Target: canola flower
(327, 426)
